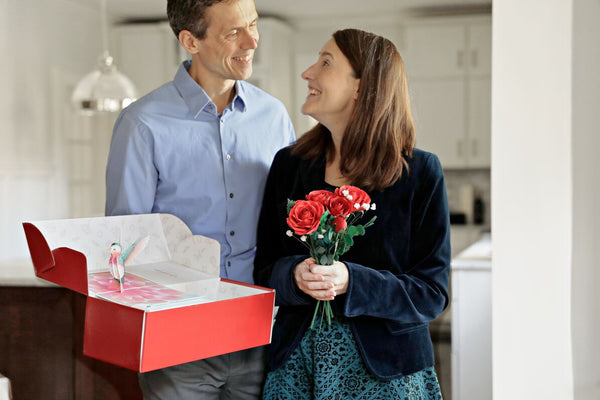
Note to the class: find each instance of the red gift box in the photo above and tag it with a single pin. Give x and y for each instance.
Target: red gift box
(173, 308)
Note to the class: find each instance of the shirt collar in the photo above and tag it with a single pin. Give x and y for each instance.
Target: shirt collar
(194, 95)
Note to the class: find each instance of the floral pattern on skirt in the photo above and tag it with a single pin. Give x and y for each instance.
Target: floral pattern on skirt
(328, 365)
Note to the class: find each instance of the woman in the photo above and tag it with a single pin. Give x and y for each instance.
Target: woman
(394, 279)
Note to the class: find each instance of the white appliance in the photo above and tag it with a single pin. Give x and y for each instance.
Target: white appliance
(472, 322)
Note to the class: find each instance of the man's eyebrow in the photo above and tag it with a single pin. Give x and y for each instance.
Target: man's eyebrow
(243, 26)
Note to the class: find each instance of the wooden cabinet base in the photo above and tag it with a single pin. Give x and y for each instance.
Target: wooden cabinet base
(41, 342)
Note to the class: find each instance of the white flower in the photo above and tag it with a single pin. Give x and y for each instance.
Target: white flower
(373, 206)
(289, 233)
(366, 206)
(356, 205)
(346, 193)
(303, 238)
(320, 236)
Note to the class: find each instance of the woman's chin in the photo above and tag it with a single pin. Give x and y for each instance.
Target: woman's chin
(306, 110)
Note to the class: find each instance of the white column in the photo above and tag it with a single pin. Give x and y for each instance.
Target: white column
(532, 197)
(546, 196)
(585, 304)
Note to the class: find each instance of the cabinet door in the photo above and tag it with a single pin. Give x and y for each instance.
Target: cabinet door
(480, 49)
(479, 139)
(435, 50)
(439, 113)
(272, 66)
(148, 54)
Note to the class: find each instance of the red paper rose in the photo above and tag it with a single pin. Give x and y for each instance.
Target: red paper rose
(322, 196)
(355, 195)
(340, 206)
(339, 223)
(305, 216)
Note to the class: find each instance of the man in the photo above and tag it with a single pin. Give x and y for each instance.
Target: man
(200, 147)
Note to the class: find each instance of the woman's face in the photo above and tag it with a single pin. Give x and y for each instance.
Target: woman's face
(332, 87)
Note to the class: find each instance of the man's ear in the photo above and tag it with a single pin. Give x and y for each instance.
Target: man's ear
(188, 41)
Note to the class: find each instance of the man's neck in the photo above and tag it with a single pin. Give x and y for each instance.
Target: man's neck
(220, 91)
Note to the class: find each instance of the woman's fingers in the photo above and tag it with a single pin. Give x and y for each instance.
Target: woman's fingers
(337, 274)
(313, 284)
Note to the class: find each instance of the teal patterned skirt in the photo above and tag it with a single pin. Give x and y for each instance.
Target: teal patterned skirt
(328, 365)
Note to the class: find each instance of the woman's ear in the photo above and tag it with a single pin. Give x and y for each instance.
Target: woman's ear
(356, 88)
(188, 41)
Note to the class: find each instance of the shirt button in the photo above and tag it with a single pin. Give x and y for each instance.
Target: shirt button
(222, 120)
(232, 233)
(229, 263)
(228, 156)
(231, 195)
(210, 107)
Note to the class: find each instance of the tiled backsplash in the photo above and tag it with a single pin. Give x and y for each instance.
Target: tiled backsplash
(479, 179)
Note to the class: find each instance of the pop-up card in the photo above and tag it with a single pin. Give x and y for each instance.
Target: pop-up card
(154, 296)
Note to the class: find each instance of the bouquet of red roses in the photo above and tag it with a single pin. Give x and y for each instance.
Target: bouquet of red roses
(326, 224)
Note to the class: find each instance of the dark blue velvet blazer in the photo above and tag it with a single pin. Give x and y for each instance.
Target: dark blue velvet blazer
(398, 271)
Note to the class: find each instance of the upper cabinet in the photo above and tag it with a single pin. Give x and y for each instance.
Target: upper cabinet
(448, 64)
(149, 54)
(272, 67)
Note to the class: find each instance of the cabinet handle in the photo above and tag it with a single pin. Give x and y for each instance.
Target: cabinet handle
(474, 58)
(460, 58)
(474, 148)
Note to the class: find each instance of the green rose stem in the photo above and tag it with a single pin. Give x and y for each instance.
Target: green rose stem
(324, 305)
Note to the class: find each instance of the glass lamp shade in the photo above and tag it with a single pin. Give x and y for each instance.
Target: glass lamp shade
(103, 90)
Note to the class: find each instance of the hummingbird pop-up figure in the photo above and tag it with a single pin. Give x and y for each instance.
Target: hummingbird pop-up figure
(119, 259)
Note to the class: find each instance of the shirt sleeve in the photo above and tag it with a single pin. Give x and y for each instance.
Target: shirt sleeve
(291, 132)
(131, 176)
(420, 292)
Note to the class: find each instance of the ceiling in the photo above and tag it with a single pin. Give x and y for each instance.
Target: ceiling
(131, 10)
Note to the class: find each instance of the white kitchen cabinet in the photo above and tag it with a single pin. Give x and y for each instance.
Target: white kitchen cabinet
(272, 66)
(149, 54)
(471, 352)
(449, 69)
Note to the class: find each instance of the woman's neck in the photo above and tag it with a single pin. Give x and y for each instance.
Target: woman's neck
(333, 174)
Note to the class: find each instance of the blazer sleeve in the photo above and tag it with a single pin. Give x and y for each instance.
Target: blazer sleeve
(420, 292)
(273, 266)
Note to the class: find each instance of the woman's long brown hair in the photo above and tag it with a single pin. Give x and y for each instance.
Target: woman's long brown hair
(380, 132)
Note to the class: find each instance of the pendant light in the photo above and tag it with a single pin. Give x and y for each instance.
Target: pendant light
(104, 89)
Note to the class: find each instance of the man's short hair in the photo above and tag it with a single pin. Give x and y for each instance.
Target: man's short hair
(189, 15)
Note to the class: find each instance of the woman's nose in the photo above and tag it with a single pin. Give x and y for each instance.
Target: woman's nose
(307, 74)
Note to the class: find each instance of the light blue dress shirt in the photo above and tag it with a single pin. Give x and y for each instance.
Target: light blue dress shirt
(171, 152)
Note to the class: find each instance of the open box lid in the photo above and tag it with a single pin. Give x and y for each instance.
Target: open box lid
(81, 246)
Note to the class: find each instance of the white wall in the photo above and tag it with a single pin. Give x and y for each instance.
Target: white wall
(46, 47)
(545, 191)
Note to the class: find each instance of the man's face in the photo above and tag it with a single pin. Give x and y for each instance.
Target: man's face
(227, 50)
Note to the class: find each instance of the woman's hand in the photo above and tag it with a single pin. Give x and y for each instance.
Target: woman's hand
(322, 282)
